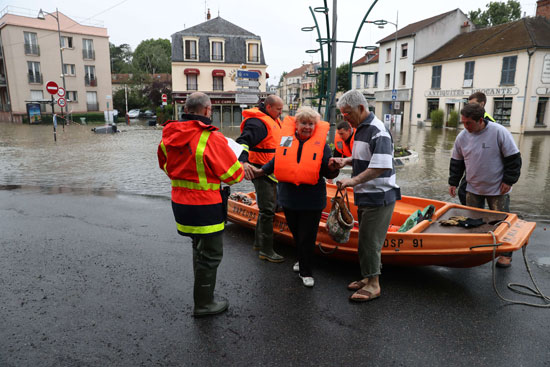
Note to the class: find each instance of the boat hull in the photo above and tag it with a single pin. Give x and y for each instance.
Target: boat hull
(427, 243)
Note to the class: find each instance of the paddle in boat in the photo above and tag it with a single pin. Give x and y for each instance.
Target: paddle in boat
(412, 240)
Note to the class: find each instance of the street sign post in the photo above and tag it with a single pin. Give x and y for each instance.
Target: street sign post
(247, 98)
(52, 87)
(61, 92)
(245, 74)
(247, 83)
(61, 102)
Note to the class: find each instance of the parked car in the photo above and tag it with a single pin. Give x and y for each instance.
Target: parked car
(133, 114)
(147, 114)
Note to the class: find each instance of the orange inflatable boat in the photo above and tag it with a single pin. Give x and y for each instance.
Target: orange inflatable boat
(426, 243)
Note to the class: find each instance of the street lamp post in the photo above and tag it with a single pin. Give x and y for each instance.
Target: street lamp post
(41, 16)
(381, 23)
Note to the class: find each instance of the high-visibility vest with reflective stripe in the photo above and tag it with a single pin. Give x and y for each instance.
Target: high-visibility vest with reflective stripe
(341, 146)
(287, 167)
(197, 159)
(264, 151)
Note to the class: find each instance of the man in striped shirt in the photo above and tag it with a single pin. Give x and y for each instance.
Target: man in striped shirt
(374, 188)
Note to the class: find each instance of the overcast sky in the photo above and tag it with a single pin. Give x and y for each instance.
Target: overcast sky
(278, 23)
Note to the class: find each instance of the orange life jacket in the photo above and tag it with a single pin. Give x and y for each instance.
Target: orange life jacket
(197, 158)
(341, 146)
(264, 151)
(287, 168)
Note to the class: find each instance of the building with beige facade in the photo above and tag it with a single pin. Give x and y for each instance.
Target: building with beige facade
(365, 76)
(206, 58)
(298, 87)
(401, 49)
(30, 57)
(510, 63)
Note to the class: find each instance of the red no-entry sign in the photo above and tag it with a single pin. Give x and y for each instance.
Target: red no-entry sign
(52, 87)
(164, 98)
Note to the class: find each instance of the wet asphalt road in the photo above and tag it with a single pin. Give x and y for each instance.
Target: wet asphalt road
(88, 280)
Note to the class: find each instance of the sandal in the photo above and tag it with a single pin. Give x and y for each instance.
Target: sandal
(364, 296)
(355, 286)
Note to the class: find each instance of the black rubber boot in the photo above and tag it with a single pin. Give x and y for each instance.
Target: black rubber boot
(203, 294)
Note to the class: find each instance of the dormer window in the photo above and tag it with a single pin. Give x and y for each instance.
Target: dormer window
(217, 46)
(191, 48)
(253, 52)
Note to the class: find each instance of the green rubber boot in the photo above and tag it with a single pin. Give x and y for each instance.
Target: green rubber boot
(203, 294)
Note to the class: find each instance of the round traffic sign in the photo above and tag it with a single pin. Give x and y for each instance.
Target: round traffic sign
(52, 87)
(61, 102)
(164, 98)
(61, 92)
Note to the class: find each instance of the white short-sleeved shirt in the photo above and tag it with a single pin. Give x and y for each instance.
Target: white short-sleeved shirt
(483, 154)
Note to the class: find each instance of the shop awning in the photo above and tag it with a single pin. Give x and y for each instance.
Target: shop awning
(218, 72)
(191, 71)
(267, 75)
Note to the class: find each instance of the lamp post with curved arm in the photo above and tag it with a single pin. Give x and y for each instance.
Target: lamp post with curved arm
(41, 16)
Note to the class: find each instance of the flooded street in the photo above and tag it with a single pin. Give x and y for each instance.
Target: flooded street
(126, 163)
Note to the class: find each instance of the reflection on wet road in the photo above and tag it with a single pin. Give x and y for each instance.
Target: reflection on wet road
(83, 162)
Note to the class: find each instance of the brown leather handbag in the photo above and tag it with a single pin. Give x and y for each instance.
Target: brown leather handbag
(340, 219)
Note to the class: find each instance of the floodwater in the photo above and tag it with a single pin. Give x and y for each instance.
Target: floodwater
(126, 163)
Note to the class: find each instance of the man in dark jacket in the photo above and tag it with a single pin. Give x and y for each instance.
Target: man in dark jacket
(492, 161)
(260, 135)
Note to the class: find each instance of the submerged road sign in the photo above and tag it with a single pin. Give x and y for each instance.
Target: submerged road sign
(52, 87)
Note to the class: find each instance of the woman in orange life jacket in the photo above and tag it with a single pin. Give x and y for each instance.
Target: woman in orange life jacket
(300, 165)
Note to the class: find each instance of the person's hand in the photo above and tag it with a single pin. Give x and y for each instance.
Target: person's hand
(345, 182)
(452, 191)
(505, 188)
(257, 172)
(336, 163)
(248, 171)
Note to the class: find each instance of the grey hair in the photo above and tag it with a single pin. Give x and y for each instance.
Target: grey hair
(307, 114)
(196, 102)
(352, 99)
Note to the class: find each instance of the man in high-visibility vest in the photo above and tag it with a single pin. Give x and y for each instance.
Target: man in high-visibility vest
(343, 140)
(197, 158)
(260, 135)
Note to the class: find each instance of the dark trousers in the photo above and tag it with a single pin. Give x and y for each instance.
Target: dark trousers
(498, 202)
(304, 225)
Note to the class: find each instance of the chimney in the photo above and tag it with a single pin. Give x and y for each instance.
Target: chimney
(208, 16)
(465, 27)
(543, 9)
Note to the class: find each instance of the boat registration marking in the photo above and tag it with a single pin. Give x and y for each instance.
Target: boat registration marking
(398, 242)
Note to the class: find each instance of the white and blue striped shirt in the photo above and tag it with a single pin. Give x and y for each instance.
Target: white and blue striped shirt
(373, 148)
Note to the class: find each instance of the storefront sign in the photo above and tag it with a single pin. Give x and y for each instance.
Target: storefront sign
(545, 78)
(509, 91)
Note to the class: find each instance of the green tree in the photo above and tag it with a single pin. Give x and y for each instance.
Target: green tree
(497, 13)
(342, 77)
(121, 58)
(153, 56)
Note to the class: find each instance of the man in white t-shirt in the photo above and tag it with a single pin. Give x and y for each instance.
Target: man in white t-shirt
(492, 161)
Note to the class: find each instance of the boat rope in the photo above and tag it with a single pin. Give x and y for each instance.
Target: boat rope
(512, 286)
(326, 252)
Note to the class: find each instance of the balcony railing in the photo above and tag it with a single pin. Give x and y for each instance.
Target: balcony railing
(4, 107)
(93, 106)
(192, 86)
(90, 81)
(35, 78)
(88, 54)
(191, 56)
(2, 80)
(31, 49)
(217, 86)
(217, 57)
(253, 59)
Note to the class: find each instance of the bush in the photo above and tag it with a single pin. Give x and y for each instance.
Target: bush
(165, 114)
(453, 119)
(437, 118)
